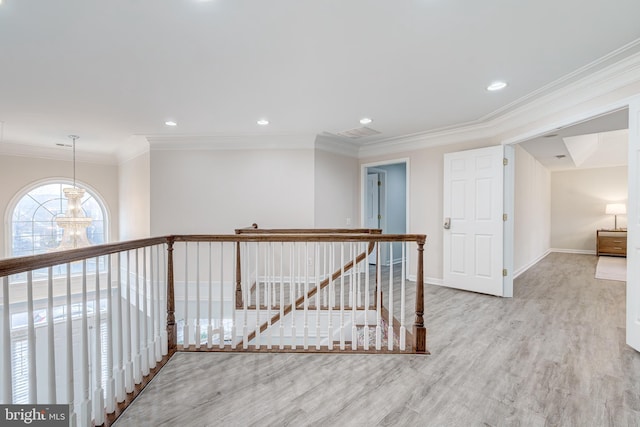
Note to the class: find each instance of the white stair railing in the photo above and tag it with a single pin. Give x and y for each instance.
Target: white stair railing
(65, 326)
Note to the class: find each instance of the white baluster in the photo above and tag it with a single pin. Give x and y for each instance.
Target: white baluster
(164, 343)
(358, 275)
(293, 293)
(325, 274)
(351, 275)
(5, 374)
(354, 328)
(221, 325)
(98, 396)
(210, 304)
(316, 251)
(233, 305)
(257, 326)
(366, 298)
(51, 359)
(331, 292)
(378, 298)
(403, 329)
(246, 292)
(85, 405)
(144, 351)
(281, 308)
(342, 345)
(118, 370)
(31, 342)
(127, 331)
(110, 381)
(269, 285)
(151, 349)
(185, 327)
(305, 339)
(73, 418)
(158, 310)
(197, 324)
(137, 360)
(390, 304)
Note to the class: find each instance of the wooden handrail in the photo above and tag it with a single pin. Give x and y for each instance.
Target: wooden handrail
(257, 230)
(17, 265)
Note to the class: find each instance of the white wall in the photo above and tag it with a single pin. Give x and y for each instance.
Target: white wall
(217, 191)
(578, 199)
(17, 172)
(336, 190)
(532, 211)
(134, 197)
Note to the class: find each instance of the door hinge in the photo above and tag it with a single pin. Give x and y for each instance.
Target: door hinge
(504, 217)
(379, 183)
(379, 216)
(505, 161)
(504, 272)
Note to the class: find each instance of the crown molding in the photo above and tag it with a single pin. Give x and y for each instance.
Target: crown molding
(334, 145)
(593, 68)
(133, 147)
(51, 153)
(603, 82)
(233, 142)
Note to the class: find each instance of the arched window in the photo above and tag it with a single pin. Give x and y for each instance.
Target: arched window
(33, 220)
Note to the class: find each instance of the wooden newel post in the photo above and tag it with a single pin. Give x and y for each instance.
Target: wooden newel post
(419, 331)
(172, 333)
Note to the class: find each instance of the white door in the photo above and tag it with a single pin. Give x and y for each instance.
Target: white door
(633, 228)
(473, 220)
(372, 216)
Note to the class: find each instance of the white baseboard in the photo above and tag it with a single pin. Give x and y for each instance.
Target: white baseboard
(524, 268)
(573, 251)
(558, 250)
(427, 280)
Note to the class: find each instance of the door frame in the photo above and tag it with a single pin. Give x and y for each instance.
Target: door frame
(382, 196)
(363, 192)
(633, 175)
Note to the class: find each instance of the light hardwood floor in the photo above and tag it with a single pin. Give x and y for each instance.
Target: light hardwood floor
(554, 354)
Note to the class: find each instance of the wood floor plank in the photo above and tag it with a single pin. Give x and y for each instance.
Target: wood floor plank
(553, 355)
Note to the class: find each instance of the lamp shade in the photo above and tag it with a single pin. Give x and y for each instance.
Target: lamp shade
(616, 209)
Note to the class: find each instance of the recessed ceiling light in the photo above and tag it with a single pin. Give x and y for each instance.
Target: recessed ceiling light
(365, 120)
(170, 123)
(496, 86)
(263, 122)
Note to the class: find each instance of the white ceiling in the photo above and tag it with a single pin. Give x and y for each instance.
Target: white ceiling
(598, 142)
(113, 71)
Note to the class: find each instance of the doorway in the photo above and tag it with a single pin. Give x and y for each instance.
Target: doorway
(385, 202)
(630, 108)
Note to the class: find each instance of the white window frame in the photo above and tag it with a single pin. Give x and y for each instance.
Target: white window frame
(52, 180)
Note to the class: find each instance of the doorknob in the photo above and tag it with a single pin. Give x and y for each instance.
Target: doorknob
(447, 223)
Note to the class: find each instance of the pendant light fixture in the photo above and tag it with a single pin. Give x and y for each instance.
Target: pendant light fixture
(74, 223)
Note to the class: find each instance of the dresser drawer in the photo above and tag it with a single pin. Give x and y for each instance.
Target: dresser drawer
(612, 244)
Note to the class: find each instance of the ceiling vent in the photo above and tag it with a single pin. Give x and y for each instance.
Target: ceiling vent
(358, 132)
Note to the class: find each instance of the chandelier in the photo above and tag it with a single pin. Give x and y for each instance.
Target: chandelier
(74, 223)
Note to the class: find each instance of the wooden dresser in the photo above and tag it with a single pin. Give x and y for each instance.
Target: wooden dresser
(611, 243)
